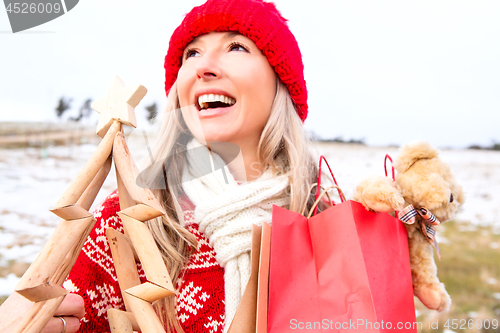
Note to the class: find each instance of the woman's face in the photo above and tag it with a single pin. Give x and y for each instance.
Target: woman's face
(226, 88)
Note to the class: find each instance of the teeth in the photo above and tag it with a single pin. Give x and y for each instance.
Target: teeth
(204, 99)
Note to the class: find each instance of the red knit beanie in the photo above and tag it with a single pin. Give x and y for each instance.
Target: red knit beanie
(258, 20)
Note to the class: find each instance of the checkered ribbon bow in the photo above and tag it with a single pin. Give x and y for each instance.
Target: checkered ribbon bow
(427, 223)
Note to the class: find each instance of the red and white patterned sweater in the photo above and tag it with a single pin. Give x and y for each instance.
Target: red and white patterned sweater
(200, 300)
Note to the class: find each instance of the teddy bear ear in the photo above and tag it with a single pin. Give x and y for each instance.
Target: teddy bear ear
(413, 152)
(459, 195)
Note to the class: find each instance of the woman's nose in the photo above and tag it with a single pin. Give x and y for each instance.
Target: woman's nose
(207, 67)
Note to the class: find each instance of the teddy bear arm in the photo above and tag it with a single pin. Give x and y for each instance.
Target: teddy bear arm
(379, 194)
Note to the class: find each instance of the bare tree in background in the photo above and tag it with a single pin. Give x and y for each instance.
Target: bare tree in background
(152, 112)
(63, 106)
(85, 110)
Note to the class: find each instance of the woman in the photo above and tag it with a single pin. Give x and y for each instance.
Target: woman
(234, 79)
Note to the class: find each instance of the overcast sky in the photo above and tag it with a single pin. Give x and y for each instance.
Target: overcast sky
(389, 72)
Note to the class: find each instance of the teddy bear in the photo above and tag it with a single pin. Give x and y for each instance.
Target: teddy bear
(424, 194)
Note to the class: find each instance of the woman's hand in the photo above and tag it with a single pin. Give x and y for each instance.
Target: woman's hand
(72, 309)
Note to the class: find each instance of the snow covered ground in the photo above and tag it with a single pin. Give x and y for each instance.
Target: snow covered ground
(32, 180)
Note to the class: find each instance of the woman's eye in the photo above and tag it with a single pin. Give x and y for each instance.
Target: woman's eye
(191, 53)
(237, 47)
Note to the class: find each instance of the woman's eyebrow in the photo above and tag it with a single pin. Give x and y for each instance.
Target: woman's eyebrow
(227, 35)
(231, 34)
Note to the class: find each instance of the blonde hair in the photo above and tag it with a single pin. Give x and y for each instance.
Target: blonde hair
(283, 146)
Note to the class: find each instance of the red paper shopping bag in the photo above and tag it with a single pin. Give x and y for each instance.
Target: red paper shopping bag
(344, 269)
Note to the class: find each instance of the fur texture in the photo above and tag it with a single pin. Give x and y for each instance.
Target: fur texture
(379, 194)
(423, 180)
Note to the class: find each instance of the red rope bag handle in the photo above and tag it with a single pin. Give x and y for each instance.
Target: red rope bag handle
(321, 159)
(387, 157)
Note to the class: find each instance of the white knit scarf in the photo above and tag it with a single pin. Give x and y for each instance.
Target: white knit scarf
(225, 212)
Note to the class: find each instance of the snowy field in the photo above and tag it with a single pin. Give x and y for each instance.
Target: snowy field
(32, 179)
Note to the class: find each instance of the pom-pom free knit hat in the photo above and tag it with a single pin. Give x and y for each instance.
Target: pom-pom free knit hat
(258, 20)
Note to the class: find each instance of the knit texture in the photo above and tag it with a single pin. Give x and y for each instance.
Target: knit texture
(200, 299)
(258, 20)
(225, 212)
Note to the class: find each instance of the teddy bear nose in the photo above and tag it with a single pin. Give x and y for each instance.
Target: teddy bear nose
(451, 197)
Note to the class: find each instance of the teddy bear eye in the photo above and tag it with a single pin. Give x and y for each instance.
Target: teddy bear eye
(451, 197)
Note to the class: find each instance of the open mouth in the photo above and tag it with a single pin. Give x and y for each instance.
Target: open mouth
(212, 101)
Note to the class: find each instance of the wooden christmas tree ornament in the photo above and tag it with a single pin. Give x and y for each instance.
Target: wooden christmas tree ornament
(118, 105)
(42, 282)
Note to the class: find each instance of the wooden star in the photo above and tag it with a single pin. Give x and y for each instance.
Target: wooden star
(119, 105)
